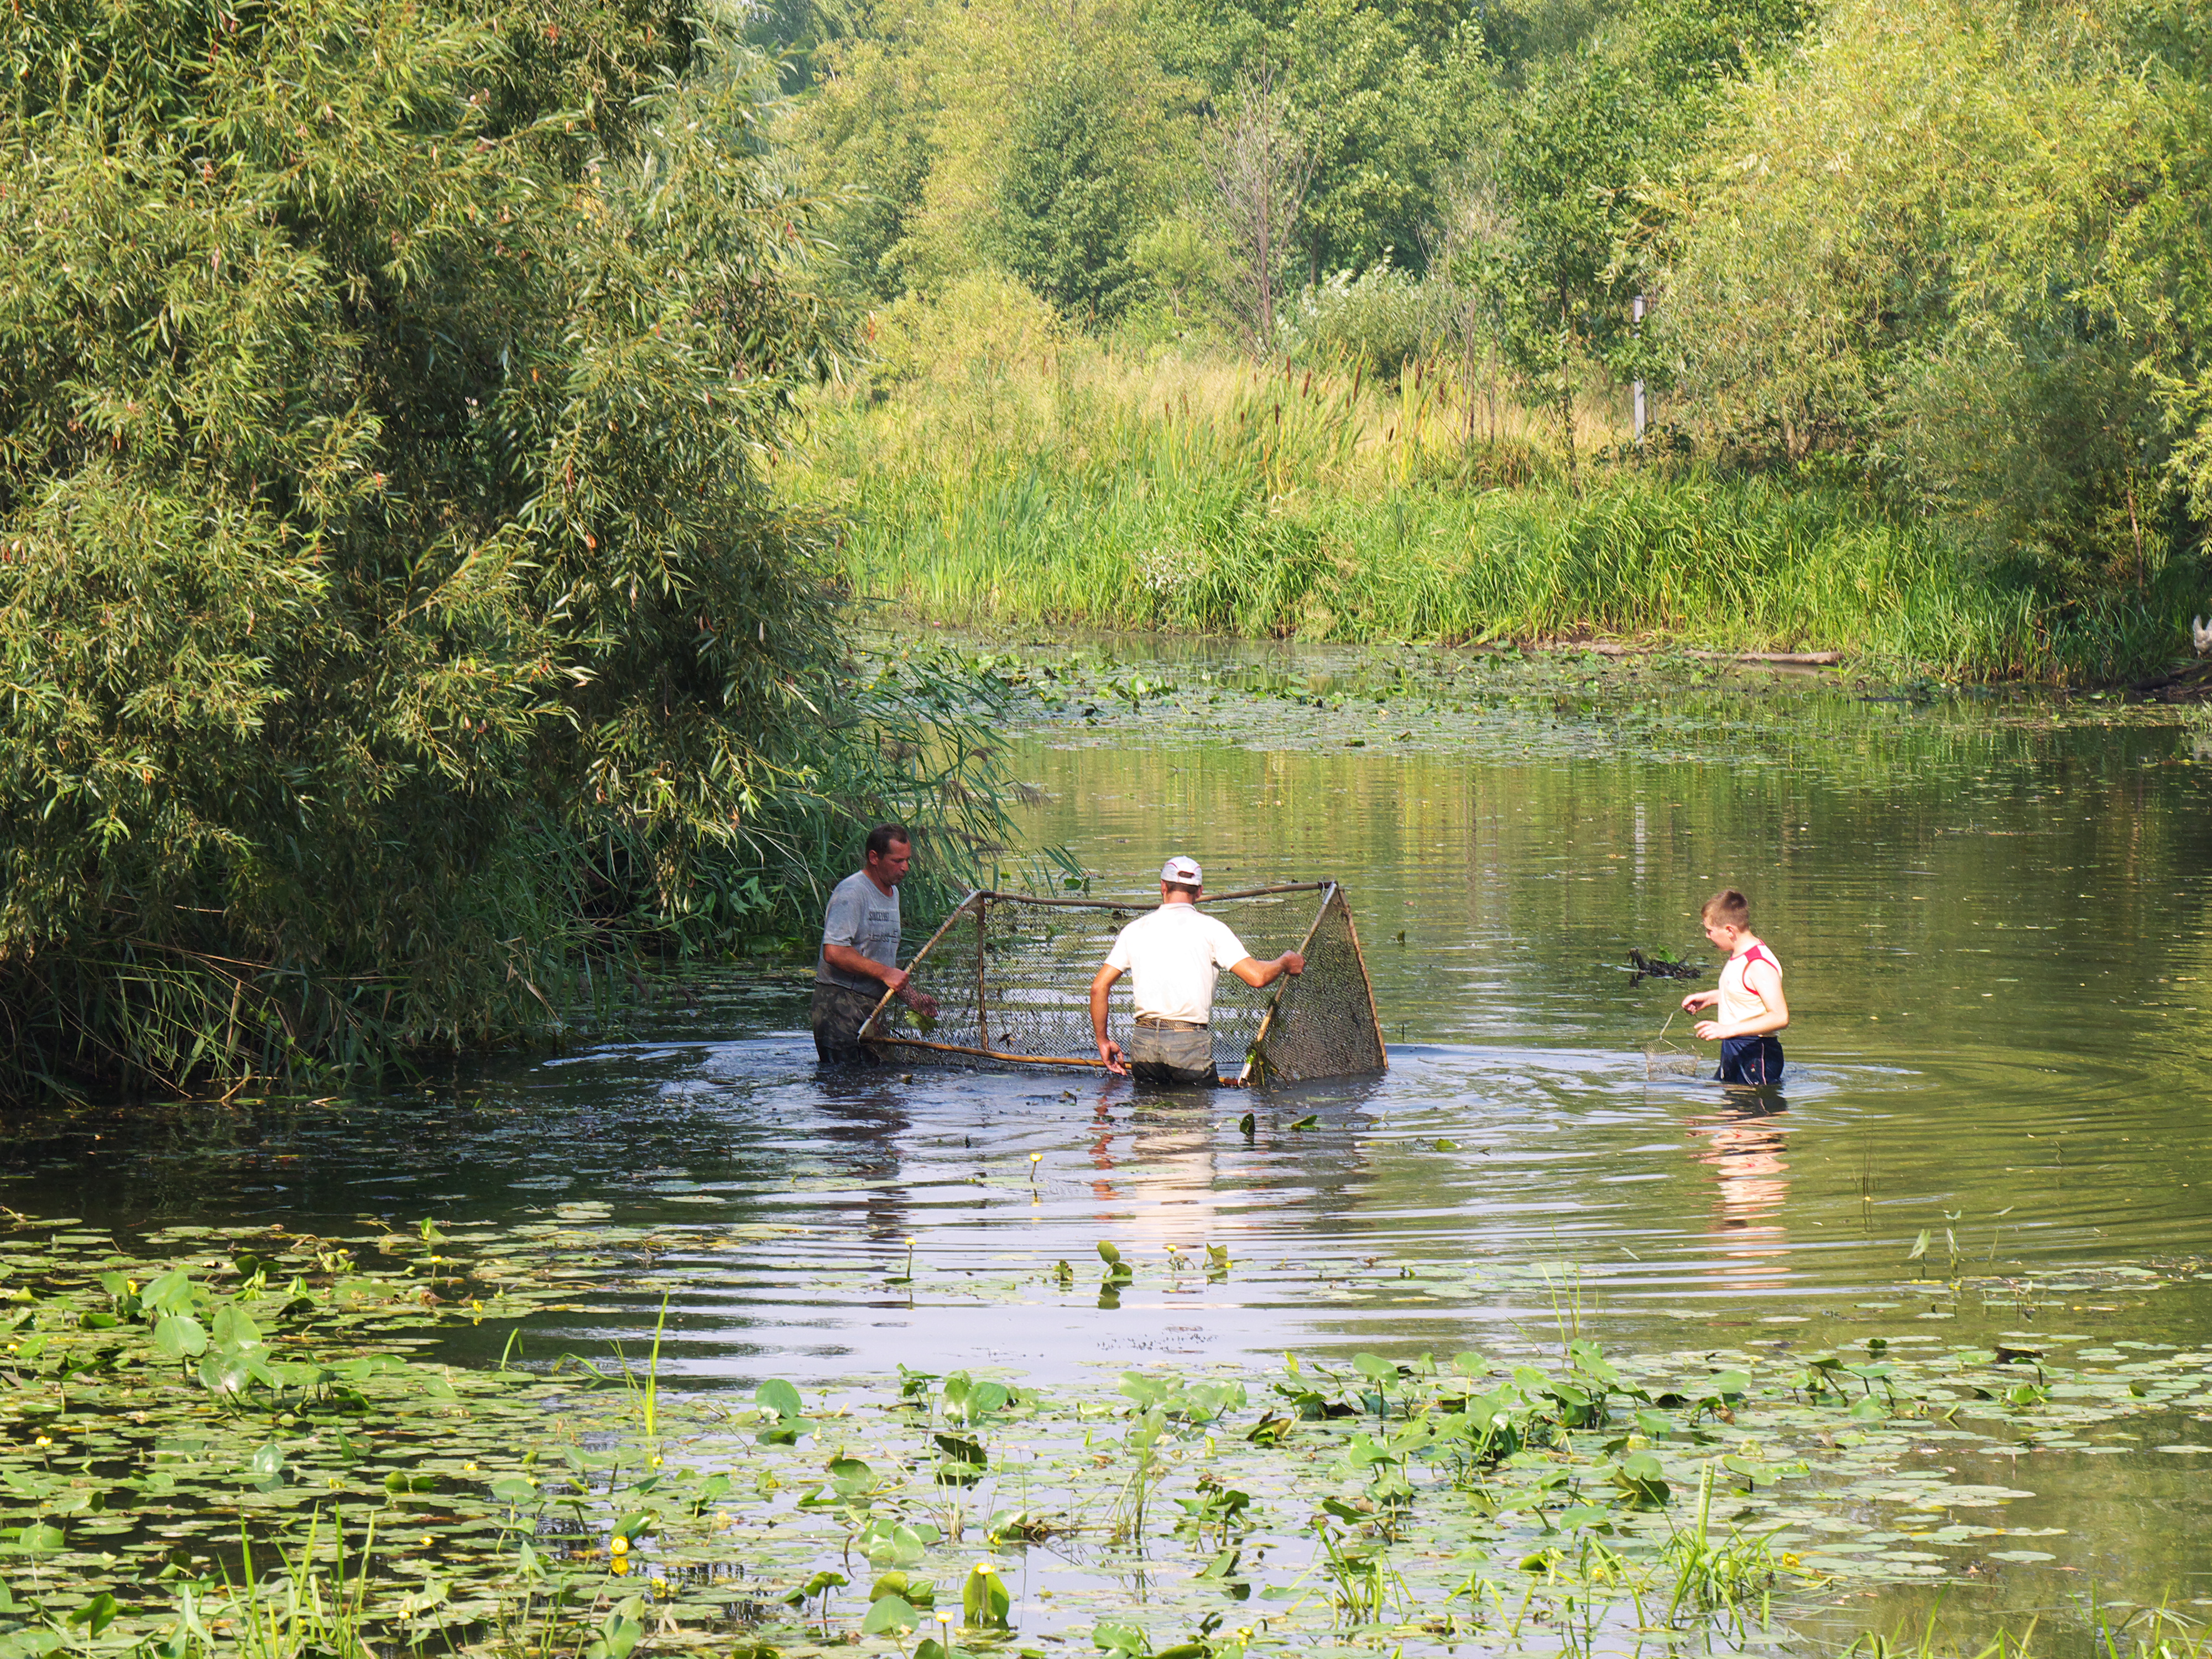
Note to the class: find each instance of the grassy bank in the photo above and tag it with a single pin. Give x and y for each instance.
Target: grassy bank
(1006, 474)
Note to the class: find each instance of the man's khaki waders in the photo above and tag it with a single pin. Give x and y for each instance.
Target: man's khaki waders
(1172, 1052)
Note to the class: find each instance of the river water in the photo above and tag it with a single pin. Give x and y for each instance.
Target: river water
(1993, 915)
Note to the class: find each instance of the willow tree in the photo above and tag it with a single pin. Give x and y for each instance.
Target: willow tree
(390, 601)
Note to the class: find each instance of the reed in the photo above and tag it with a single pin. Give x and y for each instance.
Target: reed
(1076, 490)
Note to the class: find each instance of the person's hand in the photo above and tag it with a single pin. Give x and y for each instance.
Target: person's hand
(1698, 999)
(1292, 962)
(1708, 1031)
(1110, 1052)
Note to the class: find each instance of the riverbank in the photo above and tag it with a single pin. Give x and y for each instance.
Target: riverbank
(1499, 704)
(1212, 500)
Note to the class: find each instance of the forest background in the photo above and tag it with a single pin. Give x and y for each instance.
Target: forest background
(1321, 317)
(442, 447)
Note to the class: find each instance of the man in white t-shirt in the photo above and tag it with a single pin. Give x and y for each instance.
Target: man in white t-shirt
(1173, 956)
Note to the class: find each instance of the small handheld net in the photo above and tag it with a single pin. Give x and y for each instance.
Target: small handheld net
(1011, 978)
(1674, 1062)
(1665, 1059)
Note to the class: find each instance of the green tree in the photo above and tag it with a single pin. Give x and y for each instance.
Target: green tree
(1553, 234)
(1378, 94)
(1962, 252)
(1694, 45)
(2166, 281)
(1557, 180)
(1075, 191)
(1182, 261)
(391, 603)
(1383, 97)
(862, 139)
(967, 135)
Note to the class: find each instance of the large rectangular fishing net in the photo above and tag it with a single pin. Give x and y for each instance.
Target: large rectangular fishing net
(1012, 977)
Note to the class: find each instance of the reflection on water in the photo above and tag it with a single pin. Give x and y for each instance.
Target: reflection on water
(1996, 933)
(1743, 1145)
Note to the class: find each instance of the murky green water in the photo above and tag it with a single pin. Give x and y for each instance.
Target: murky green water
(1994, 920)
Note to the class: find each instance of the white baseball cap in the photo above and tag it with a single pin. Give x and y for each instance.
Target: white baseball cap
(1184, 872)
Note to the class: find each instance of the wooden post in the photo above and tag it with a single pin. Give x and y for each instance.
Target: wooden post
(1636, 313)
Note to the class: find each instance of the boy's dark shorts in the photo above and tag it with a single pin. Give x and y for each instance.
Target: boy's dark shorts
(1756, 1060)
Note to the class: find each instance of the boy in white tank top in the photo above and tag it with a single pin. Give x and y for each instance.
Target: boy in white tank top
(1751, 1003)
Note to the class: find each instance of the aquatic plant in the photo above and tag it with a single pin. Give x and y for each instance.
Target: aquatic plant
(222, 1444)
(1276, 503)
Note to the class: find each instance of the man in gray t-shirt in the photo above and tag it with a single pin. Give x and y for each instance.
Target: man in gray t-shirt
(858, 959)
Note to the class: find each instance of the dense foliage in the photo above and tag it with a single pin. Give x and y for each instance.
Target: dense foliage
(1962, 250)
(1949, 257)
(391, 603)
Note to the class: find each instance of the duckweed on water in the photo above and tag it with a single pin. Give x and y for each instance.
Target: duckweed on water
(219, 1445)
(1555, 703)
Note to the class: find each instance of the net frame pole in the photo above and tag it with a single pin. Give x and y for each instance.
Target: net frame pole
(1133, 904)
(1268, 1019)
(943, 928)
(1375, 1014)
(982, 967)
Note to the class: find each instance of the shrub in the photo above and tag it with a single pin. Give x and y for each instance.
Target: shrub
(1380, 317)
(390, 601)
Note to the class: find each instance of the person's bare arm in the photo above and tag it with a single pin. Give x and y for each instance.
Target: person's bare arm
(1763, 981)
(846, 960)
(1698, 999)
(1260, 974)
(1101, 986)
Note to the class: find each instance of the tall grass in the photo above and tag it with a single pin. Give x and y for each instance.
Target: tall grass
(1062, 486)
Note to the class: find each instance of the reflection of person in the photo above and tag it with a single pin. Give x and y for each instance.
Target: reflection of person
(1173, 957)
(860, 949)
(1752, 1005)
(1747, 1148)
(1748, 1153)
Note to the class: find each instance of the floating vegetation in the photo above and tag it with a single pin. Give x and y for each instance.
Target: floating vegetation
(1549, 703)
(1656, 964)
(219, 1443)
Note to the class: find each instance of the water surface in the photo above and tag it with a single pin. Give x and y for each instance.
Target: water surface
(1993, 919)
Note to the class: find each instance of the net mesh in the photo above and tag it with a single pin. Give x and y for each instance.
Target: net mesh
(1659, 1062)
(1011, 978)
(1671, 1059)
